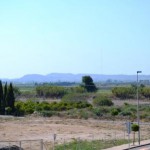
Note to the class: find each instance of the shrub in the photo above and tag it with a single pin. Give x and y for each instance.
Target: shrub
(78, 89)
(97, 112)
(47, 113)
(82, 114)
(102, 101)
(125, 113)
(101, 111)
(8, 110)
(75, 97)
(124, 92)
(50, 91)
(114, 112)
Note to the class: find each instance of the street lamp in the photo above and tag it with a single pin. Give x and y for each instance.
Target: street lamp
(138, 117)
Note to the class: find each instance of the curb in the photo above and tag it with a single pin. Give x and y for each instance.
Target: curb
(137, 146)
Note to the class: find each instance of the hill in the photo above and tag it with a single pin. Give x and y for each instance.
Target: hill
(68, 77)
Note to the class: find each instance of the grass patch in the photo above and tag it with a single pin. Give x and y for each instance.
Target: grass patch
(90, 145)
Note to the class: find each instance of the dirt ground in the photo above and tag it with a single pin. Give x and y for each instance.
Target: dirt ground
(34, 128)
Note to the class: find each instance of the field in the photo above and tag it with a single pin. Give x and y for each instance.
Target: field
(66, 130)
(71, 125)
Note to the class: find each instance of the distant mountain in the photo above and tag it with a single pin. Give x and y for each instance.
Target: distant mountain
(68, 77)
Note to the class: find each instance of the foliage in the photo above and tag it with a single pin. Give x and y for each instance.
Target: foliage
(50, 91)
(101, 111)
(10, 98)
(128, 110)
(102, 101)
(135, 127)
(146, 92)
(7, 99)
(28, 94)
(114, 112)
(88, 84)
(78, 89)
(17, 91)
(46, 113)
(1, 99)
(124, 92)
(28, 107)
(75, 97)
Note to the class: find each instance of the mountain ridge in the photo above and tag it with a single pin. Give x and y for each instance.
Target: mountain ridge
(69, 77)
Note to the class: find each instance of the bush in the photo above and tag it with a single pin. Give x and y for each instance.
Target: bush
(83, 114)
(75, 97)
(125, 113)
(97, 112)
(8, 110)
(102, 101)
(78, 89)
(50, 91)
(124, 92)
(101, 111)
(47, 113)
(114, 112)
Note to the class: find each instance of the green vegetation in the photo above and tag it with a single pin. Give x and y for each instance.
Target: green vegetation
(78, 101)
(102, 101)
(7, 99)
(130, 92)
(146, 92)
(134, 128)
(88, 84)
(50, 91)
(87, 145)
(75, 97)
(28, 107)
(124, 92)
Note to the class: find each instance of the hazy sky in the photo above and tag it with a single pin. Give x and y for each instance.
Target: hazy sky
(74, 36)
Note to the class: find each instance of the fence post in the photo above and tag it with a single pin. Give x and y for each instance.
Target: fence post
(64, 144)
(54, 136)
(9, 146)
(20, 144)
(41, 144)
(30, 145)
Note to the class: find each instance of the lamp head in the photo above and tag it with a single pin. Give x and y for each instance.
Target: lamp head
(139, 71)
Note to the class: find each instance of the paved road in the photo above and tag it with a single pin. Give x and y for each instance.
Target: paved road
(147, 147)
(125, 146)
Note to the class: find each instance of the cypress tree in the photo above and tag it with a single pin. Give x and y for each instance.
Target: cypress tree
(5, 94)
(10, 98)
(4, 99)
(1, 97)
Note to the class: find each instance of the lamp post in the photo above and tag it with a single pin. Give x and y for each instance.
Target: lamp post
(138, 117)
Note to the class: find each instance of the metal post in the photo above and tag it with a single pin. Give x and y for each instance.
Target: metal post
(138, 117)
(41, 144)
(20, 144)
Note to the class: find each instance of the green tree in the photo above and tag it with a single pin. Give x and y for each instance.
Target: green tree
(5, 94)
(1, 97)
(124, 92)
(10, 98)
(146, 92)
(134, 128)
(88, 84)
(3, 102)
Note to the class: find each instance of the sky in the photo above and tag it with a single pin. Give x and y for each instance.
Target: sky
(74, 36)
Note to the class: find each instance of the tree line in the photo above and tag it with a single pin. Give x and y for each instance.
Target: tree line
(130, 92)
(51, 91)
(7, 99)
